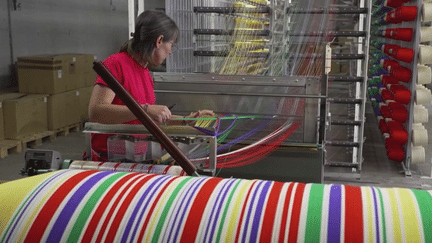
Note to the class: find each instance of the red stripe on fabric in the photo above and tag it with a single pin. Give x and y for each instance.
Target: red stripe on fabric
(166, 170)
(182, 173)
(196, 212)
(113, 207)
(116, 165)
(91, 228)
(270, 212)
(242, 212)
(47, 212)
(285, 213)
(353, 214)
(150, 213)
(133, 167)
(101, 163)
(121, 212)
(295, 215)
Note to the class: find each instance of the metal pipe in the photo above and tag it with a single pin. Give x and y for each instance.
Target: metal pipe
(144, 118)
(238, 94)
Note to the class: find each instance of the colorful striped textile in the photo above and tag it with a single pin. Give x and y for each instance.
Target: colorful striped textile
(108, 206)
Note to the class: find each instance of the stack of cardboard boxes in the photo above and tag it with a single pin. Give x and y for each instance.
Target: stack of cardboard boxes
(54, 92)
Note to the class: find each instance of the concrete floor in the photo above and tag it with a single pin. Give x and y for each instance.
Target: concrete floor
(377, 169)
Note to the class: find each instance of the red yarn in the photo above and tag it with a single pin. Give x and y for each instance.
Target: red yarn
(401, 94)
(398, 112)
(397, 132)
(385, 111)
(403, 34)
(393, 3)
(386, 95)
(383, 126)
(401, 73)
(402, 14)
(396, 154)
(389, 79)
(389, 64)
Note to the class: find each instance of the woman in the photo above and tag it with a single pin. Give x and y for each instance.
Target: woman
(153, 40)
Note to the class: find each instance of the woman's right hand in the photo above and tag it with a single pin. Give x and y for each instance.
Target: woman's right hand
(159, 113)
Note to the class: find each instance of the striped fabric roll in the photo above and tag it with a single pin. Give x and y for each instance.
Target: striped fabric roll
(107, 206)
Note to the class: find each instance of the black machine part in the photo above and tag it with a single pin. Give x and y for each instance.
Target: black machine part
(40, 161)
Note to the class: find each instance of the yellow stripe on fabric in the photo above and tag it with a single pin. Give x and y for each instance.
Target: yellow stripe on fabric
(235, 213)
(41, 203)
(160, 206)
(395, 215)
(16, 192)
(369, 207)
(410, 219)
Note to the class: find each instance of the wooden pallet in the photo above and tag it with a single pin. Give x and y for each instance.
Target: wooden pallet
(36, 139)
(64, 131)
(9, 146)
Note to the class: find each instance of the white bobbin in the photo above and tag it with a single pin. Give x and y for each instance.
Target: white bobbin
(419, 135)
(425, 34)
(418, 154)
(421, 114)
(427, 12)
(425, 54)
(423, 95)
(424, 74)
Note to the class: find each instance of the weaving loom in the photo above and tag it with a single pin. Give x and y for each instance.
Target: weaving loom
(108, 206)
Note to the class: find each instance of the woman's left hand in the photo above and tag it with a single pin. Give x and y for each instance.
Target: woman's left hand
(200, 113)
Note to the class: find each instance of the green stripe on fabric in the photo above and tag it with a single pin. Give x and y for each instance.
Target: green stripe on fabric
(228, 202)
(6, 232)
(314, 213)
(164, 214)
(424, 200)
(214, 118)
(383, 225)
(89, 206)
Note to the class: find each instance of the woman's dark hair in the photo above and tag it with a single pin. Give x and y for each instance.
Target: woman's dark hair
(149, 25)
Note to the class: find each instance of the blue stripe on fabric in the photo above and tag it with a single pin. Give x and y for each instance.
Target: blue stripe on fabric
(334, 220)
(144, 200)
(218, 200)
(218, 212)
(259, 211)
(47, 182)
(376, 215)
(192, 192)
(250, 210)
(65, 215)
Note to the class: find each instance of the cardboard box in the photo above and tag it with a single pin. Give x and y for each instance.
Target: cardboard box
(89, 75)
(25, 115)
(84, 97)
(54, 74)
(3, 97)
(63, 109)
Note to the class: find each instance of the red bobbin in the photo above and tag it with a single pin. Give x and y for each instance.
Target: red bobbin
(393, 3)
(389, 79)
(400, 93)
(389, 64)
(403, 34)
(383, 126)
(402, 14)
(398, 112)
(402, 73)
(397, 132)
(396, 154)
(386, 95)
(385, 111)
